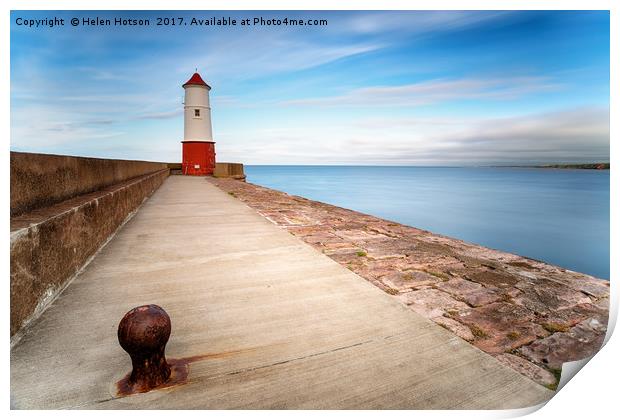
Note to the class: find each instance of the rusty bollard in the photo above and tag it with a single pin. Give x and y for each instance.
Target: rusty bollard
(143, 333)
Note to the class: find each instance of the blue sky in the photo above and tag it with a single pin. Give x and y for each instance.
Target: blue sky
(389, 88)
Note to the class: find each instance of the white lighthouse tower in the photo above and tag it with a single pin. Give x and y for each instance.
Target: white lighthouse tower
(198, 144)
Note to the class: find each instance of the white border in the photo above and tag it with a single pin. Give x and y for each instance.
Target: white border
(592, 394)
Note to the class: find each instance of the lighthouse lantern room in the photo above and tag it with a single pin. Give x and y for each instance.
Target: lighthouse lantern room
(198, 144)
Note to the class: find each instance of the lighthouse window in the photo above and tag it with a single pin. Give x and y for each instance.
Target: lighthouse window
(196, 113)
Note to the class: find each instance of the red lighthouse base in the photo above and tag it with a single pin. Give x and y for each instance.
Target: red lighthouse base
(198, 157)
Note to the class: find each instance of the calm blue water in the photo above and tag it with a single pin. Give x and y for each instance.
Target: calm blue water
(558, 216)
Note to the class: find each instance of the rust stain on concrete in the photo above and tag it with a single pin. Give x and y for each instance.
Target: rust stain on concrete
(179, 372)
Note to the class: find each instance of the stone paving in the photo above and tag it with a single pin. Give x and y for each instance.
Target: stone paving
(531, 316)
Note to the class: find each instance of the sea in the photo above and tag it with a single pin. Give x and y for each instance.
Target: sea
(560, 216)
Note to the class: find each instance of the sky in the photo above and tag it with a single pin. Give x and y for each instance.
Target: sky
(369, 88)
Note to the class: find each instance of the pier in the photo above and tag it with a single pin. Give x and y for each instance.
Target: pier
(260, 319)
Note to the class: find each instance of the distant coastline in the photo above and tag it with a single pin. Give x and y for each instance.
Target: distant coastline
(599, 166)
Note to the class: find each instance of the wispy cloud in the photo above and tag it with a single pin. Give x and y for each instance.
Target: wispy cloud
(98, 74)
(423, 22)
(116, 98)
(250, 56)
(73, 126)
(434, 91)
(160, 115)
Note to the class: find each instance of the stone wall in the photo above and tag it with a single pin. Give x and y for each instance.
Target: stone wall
(229, 170)
(175, 168)
(39, 180)
(56, 236)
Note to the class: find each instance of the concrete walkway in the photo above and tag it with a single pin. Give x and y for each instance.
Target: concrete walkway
(271, 323)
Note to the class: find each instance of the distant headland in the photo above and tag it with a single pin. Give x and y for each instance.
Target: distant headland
(600, 166)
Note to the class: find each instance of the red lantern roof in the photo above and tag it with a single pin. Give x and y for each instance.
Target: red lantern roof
(196, 80)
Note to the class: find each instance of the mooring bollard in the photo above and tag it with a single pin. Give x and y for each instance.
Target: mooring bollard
(143, 333)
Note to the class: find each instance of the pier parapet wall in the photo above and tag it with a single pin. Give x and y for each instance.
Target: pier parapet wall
(229, 170)
(63, 210)
(39, 180)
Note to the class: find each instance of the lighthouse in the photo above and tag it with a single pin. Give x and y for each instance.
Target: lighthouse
(198, 144)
